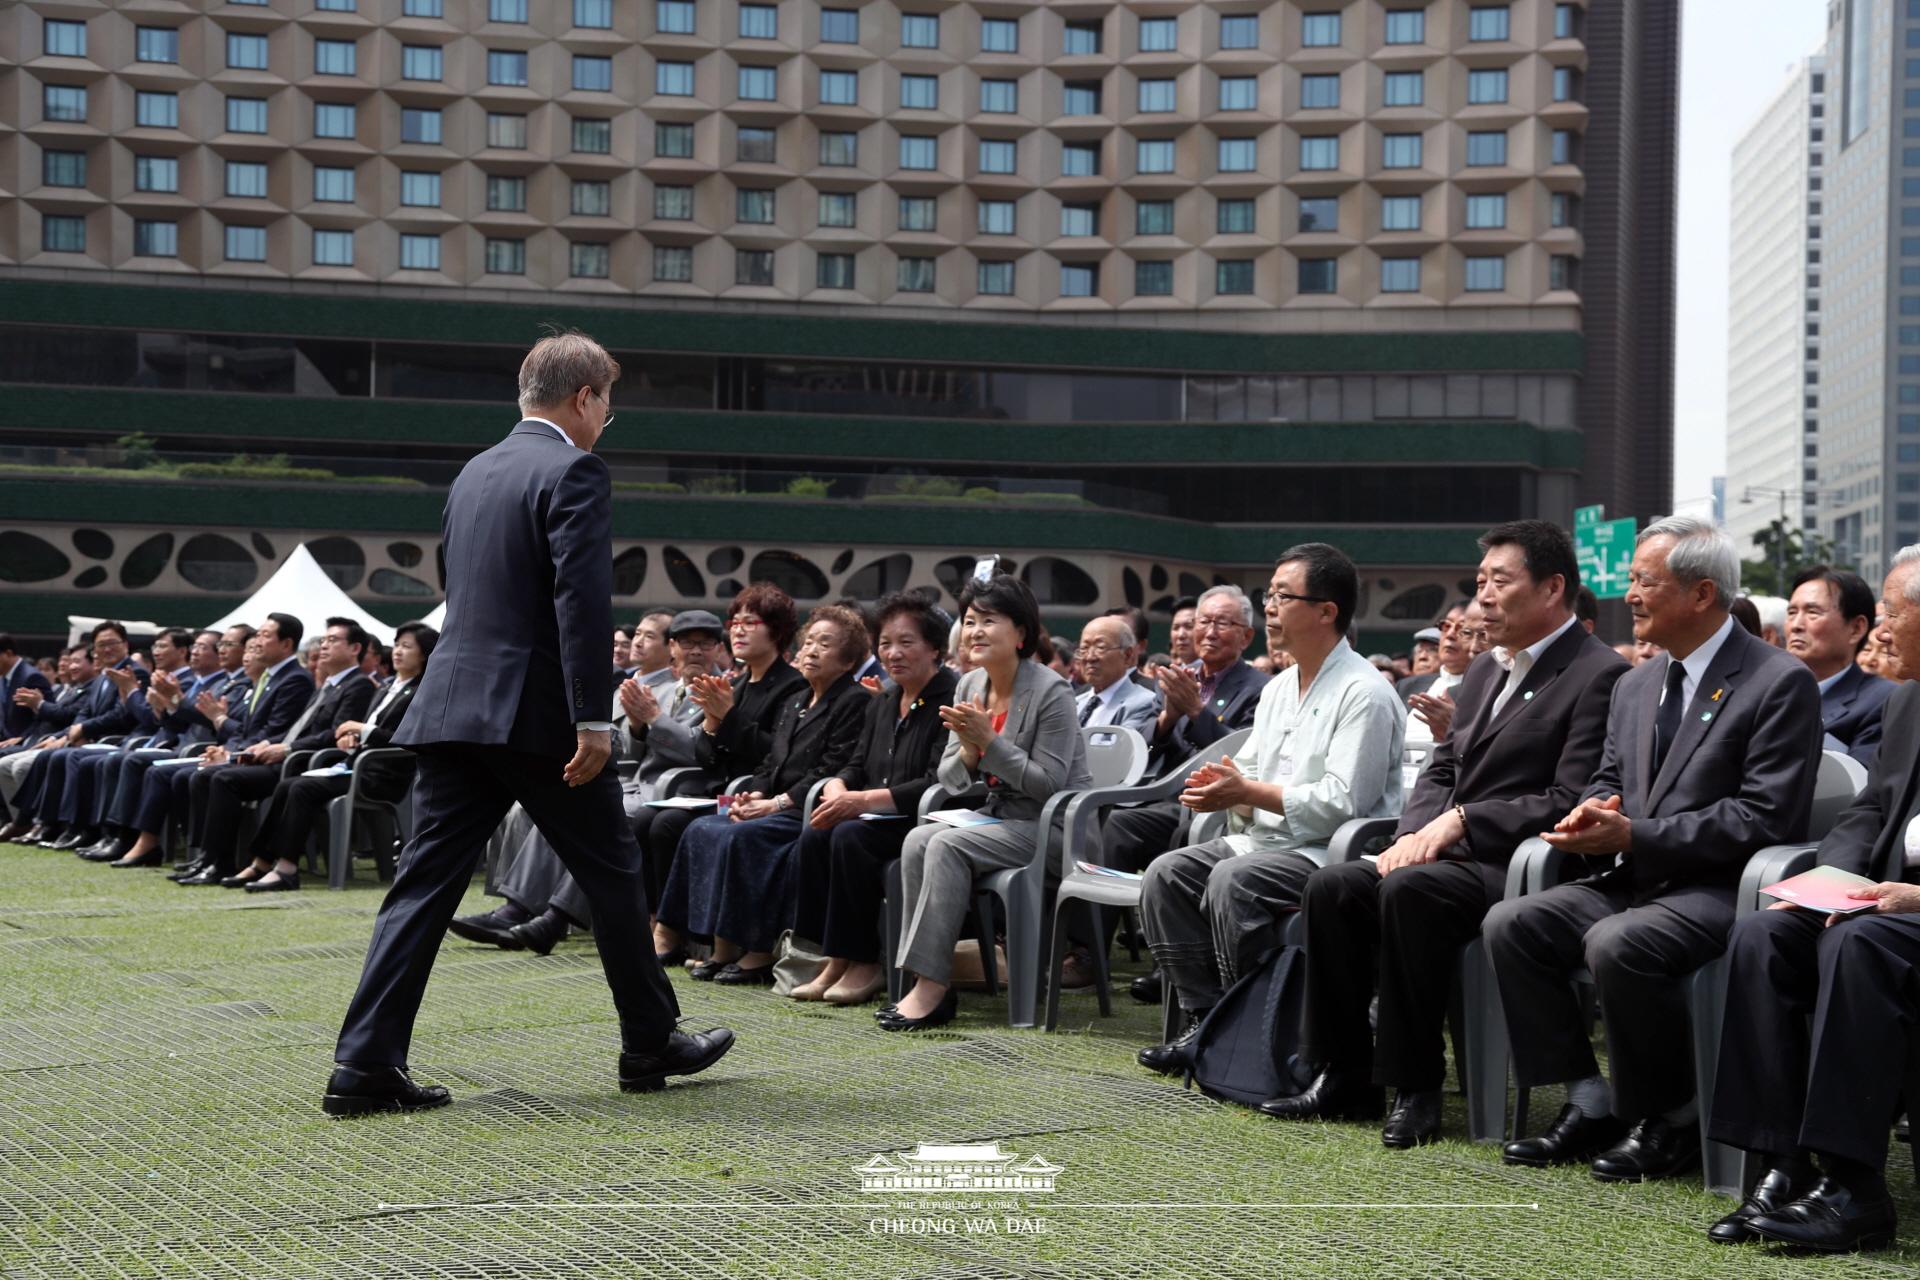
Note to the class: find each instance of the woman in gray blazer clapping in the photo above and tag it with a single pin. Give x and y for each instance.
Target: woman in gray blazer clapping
(1012, 723)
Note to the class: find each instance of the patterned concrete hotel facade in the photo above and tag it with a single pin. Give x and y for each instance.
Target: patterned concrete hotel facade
(1136, 293)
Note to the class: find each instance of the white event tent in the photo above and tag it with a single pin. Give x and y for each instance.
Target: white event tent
(438, 618)
(302, 588)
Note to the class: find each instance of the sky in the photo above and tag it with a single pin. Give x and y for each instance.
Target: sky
(1734, 56)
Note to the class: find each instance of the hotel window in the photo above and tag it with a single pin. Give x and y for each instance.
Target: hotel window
(156, 44)
(920, 31)
(757, 84)
(1319, 153)
(1486, 86)
(1158, 35)
(996, 278)
(507, 132)
(591, 199)
(1486, 275)
(246, 179)
(1486, 212)
(839, 88)
(921, 93)
(421, 62)
(596, 14)
(1079, 279)
(1487, 148)
(1233, 217)
(419, 253)
(1319, 30)
(1563, 272)
(1153, 155)
(63, 234)
(423, 9)
(1319, 92)
(672, 264)
(753, 206)
(841, 150)
(670, 141)
(996, 217)
(1566, 86)
(338, 6)
(334, 57)
(1318, 275)
(1400, 213)
(595, 137)
(506, 10)
(1238, 155)
(589, 261)
(915, 275)
(1082, 39)
(1489, 23)
(159, 173)
(506, 257)
(1233, 275)
(246, 53)
(753, 146)
(837, 208)
(996, 157)
(506, 66)
(246, 244)
(1405, 89)
(246, 115)
(333, 120)
(332, 248)
(420, 124)
(156, 239)
(506, 195)
(155, 110)
(1079, 219)
(999, 35)
(1566, 146)
(1563, 210)
(1153, 279)
(840, 26)
(65, 39)
(1239, 31)
(673, 204)
(833, 271)
(1153, 218)
(1399, 275)
(917, 153)
(1400, 151)
(916, 213)
(759, 22)
(63, 168)
(1406, 26)
(673, 17)
(753, 266)
(1318, 213)
(1082, 98)
(999, 97)
(673, 79)
(593, 75)
(1566, 24)
(1157, 95)
(1239, 93)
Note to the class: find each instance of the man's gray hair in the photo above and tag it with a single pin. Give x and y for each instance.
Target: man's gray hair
(1702, 552)
(1232, 593)
(1905, 556)
(1772, 611)
(1127, 638)
(559, 365)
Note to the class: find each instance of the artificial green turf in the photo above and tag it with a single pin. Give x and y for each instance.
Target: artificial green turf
(162, 1052)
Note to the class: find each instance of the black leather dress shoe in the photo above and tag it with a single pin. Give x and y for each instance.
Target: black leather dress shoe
(1831, 1220)
(684, 1054)
(96, 853)
(188, 871)
(240, 879)
(890, 1007)
(1331, 1096)
(1570, 1139)
(1652, 1149)
(77, 838)
(1146, 988)
(1772, 1191)
(211, 874)
(359, 1091)
(1176, 1055)
(940, 1016)
(114, 848)
(14, 830)
(151, 858)
(487, 928)
(282, 883)
(540, 933)
(41, 832)
(1414, 1120)
(732, 975)
(706, 970)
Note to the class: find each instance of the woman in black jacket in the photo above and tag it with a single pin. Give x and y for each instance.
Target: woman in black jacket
(839, 863)
(728, 877)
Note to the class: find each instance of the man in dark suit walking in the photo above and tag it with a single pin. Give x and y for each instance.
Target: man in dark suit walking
(1789, 1089)
(1532, 721)
(1712, 750)
(513, 707)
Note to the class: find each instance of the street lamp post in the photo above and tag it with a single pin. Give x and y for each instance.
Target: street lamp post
(1780, 539)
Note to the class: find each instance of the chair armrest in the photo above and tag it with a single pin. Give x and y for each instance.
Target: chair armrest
(1084, 808)
(937, 797)
(813, 797)
(687, 780)
(333, 755)
(1771, 865)
(296, 763)
(360, 760)
(1536, 865)
(737, 785)
(1355, 839)
(1207, 826)
(194, 749)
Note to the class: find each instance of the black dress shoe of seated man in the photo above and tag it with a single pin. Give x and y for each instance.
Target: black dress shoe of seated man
(541, 933)
(1176, 1055)
(1772, 1191)
(488, 928)
(190, 870)
(1652, 1149)
(685, 1053)
(1414, 1120)
(42, 833)
(76, 838)
(1146, 988)
(359, 1091)
(1571, 1139)
(213, 874)
(1830, 1219)
(1333, 1095)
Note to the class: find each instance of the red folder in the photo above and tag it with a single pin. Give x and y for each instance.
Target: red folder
(1823, 889)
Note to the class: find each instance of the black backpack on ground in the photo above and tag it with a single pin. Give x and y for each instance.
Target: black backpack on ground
(1247, 1048)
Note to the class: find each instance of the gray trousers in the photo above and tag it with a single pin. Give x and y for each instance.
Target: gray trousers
(1209, 916)
(937, 868)
(13, 773)
(533, 877)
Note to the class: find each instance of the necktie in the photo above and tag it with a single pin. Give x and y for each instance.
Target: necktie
(313, 707)
(253, 699)
(1666, 725)
(1086, 712)
(1522, 664)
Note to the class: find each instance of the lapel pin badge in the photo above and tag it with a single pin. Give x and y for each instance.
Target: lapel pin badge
(1716, 695)
(1527, 696)
(1705, 716)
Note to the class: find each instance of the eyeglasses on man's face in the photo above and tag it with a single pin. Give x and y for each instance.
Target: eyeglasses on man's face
(1271, 596)
(1097, 649)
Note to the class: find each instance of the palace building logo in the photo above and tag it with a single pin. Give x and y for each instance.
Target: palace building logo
(968, 1167)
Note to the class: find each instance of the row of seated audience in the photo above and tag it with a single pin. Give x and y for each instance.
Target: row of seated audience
(1666, 770)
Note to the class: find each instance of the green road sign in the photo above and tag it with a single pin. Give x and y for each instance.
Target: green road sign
(1604, 549)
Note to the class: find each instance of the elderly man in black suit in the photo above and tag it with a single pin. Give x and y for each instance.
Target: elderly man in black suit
(1532, 721)
(1789, 1090)
(1829, 616)
(1712, 750)
(514, 707)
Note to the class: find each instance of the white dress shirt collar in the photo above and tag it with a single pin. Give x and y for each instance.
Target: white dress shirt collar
(1696, 663)
(1533, 651)
(557, 428)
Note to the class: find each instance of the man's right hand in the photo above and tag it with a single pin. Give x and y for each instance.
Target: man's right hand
(29, 698)
(594, 748)
(1181, 689)
(638, 702)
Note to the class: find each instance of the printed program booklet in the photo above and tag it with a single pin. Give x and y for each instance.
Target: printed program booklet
(1823, 889)
(962, 818)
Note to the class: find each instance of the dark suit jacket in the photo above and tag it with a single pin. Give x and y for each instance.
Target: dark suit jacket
(1235, 698)
(1739, 776)
(1870, 837)
(388, 776)
(898, 753)
(1518, 774)
(119, 716)
(741, 743)
(184, 725)
(335, 704)
(287, 694)
(17, 721)
(55, 713)
(1852, 709)
(527, 647)
(95, 704)
(811, 743)
(1418, 684)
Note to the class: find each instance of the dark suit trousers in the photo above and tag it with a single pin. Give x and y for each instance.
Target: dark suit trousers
(460, 795)
(227, 791)
(81, 787)
(32, 797)
(658, 832)
(298, 806)
(1409, 927)
(1132, 838)
(164, 793)
(1834, 1087)
(840, 880)
(1638, 954)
